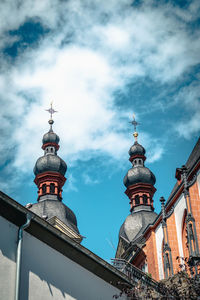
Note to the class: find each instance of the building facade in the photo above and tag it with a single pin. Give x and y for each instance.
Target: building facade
(152, 242)
(52, 265)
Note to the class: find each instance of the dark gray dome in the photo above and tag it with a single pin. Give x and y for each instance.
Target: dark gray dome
(56, 208)
(139, 174)
(50, 163)
(135, 224)
(136, 149)
(50, 137)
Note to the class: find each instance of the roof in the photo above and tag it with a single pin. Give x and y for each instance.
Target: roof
(45, 232)
(135, 223)
(51, 208)
(194, 156)
(192, 161)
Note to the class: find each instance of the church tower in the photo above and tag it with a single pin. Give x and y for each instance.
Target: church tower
(49, 173)
(139, 182)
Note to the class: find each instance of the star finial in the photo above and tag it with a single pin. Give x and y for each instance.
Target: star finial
(51, 111)
(135, 123)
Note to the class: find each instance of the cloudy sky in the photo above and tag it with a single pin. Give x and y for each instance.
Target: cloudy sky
(99, 61)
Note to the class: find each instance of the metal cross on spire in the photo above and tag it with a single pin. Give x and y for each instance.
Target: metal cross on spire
(51, 110)
(135, 123)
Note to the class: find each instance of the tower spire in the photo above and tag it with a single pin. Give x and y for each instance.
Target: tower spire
(50, 177)
(50, 168)
(139, 180)
(135, 124)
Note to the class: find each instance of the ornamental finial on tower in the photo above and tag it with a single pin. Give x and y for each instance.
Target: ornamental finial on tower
(135, 123)
(51, 111)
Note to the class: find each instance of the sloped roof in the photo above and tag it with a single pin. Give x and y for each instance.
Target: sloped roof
(194, 156)
(190, 164)
(192, 161)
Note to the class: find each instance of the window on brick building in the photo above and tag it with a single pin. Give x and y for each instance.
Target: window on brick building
(144, 199)
(52, 188)
(185, 236)
(137, 200)
(44, 189)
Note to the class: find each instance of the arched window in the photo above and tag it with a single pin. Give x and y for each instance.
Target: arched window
(52, 188)
(185, 236)
(140, 162)
(44, 189)
(166, 262)
(137, 200)
(144, 199)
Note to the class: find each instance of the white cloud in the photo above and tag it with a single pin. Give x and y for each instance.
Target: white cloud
(189, 98)
(108, 44)
(71, 184)
(89, 180)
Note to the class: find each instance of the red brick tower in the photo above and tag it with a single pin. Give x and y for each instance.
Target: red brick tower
(50, 168)
(50, 172)
(139, 182)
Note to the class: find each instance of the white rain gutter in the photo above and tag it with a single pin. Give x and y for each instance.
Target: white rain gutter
(19, 254)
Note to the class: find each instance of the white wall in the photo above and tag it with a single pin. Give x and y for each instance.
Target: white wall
(179, 209)
(46, 274)
(159, 241)
(58, 277)
(8, 234)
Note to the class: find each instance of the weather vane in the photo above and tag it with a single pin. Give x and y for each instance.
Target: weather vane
(51, 110)
(135, 123)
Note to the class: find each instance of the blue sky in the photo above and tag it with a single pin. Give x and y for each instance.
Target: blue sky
(99, 61)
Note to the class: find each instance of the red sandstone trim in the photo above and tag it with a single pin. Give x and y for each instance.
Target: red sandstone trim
(50, 177)
(50, 144)
(140, 188)
(137, 156)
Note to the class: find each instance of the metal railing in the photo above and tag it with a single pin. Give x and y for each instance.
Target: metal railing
(133, 273)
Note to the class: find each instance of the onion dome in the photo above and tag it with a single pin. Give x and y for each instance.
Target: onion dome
(139, 174)
(136, 149)
(50, 178)
(50, 162)
(50, 137)
(50, 169)
(58, 209)
(139, 182)
(135, 223)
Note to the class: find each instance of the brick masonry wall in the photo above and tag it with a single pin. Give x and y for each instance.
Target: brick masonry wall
(173, 242)
(195, 203)
(152, 256)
